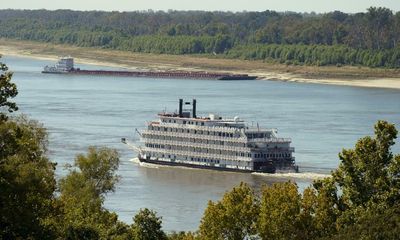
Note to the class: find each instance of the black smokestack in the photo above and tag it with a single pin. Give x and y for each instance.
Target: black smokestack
(180, 107)
(194, 108)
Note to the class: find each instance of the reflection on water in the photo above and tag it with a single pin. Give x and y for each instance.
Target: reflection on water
(84, 110)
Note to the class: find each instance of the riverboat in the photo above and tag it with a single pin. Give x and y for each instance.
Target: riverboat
(184, 139)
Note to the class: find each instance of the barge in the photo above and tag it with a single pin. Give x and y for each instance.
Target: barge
(184, 139)
(65, 65)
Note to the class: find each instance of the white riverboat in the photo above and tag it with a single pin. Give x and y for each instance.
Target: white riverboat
(184, 139)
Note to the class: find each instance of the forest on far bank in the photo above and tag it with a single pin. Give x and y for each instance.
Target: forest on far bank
(369, 38)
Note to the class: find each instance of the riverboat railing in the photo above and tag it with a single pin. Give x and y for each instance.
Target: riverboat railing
(198, 155)
(199, 145)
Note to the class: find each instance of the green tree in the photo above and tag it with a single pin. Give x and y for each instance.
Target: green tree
(373, 224)
(7, 90)
(233, 217)
(182, 236)
(369, 173)
(82, 194)
(99, 168)
(29, 206)
(279, 210)
(27, 180)
(147, 226)
(327, 207)
(369, 184)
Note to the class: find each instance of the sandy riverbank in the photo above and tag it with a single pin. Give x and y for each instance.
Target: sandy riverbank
(349, 76)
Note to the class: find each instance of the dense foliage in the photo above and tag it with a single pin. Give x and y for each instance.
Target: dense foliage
(147, 226)
(369, 38)
(232, 217)
(27, 180)
(360, 201)
(7, 90)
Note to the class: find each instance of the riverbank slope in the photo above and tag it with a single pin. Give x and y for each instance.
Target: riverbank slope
(346, 75)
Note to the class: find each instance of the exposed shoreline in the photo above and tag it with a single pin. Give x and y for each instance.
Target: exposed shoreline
(346, 76)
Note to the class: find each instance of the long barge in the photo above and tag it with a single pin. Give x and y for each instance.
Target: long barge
(65, 65)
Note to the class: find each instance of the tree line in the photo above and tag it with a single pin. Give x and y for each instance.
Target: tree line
(319, 55)
(368, 38)
(360, 200)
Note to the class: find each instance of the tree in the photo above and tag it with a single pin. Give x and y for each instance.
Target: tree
(379, 24)
(368, 179)
(369, 172)
(373, 224)
(7, 90)
(147, 226)
(182, 236)
(222, 43)
(279, 210)
(82, 194)
(30, 208)
(27, 180)
(233, 217)
(99, 167)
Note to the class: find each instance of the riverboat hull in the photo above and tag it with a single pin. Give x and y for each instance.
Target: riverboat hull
(209, 167)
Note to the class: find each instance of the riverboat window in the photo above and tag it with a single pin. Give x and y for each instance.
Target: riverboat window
(184, 122)
(202, 124)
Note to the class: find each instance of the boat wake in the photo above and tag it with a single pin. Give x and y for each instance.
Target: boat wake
(143, 164)
(300, 175)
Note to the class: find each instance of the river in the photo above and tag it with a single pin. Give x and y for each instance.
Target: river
(80, 111)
